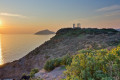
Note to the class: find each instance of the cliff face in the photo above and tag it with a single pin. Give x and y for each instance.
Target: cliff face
(65, 41)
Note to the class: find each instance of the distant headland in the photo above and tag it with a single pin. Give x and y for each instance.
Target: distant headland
(44, 32)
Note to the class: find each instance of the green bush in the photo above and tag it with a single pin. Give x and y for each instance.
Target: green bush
(50, 65)
(33, 71)
(95, 65)
(53, 63)
(66, 60)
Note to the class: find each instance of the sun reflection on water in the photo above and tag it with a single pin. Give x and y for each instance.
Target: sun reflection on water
(1, 61)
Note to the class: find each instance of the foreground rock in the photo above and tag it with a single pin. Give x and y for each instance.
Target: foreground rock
(56, 74)
(65, 41)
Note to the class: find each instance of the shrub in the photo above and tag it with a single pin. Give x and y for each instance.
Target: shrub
(53, 63)
(95, 65)
(49, 65)
(33, 71)
(66, 60)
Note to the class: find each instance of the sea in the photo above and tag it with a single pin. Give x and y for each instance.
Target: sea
(15, 46)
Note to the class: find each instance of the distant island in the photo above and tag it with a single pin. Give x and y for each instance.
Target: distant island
(44, 32)
(118, 29)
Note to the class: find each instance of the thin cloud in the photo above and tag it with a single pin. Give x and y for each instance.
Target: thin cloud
(13, 15)
(110, 8)
(115, 13)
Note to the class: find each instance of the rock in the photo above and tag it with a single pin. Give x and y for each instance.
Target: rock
(56, 74)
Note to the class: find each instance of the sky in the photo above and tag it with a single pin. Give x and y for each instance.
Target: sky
(29, 16)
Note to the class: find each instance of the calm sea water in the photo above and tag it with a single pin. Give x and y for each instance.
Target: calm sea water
(15, 46)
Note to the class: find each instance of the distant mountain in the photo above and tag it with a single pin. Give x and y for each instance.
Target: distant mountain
(44, 32)
(118, 29)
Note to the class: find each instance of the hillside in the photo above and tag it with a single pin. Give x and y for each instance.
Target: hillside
(44, 32)
(65, 41)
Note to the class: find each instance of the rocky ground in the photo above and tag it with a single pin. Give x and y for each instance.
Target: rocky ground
(58, 46)
(56, 74)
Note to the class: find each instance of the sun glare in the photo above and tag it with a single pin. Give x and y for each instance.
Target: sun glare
(0, 22)
(1, 61)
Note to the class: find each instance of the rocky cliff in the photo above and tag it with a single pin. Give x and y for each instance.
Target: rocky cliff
(65, 41)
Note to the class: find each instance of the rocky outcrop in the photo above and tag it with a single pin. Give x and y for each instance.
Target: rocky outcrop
(61, 44)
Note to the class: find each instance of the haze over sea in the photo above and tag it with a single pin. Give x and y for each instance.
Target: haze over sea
(15, 46)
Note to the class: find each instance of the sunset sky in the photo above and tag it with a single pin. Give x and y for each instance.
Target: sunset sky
(29, 16)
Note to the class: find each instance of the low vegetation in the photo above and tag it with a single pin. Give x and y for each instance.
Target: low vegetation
(78, 31)
(33, 71)
(31, 76)
(53, 63)
(89, 65)
(95, 65)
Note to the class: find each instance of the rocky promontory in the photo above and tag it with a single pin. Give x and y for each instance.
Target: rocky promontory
(65, 41)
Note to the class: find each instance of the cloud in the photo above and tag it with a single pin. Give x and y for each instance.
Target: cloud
(13, 15)
(115, 13)
(110, 8)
